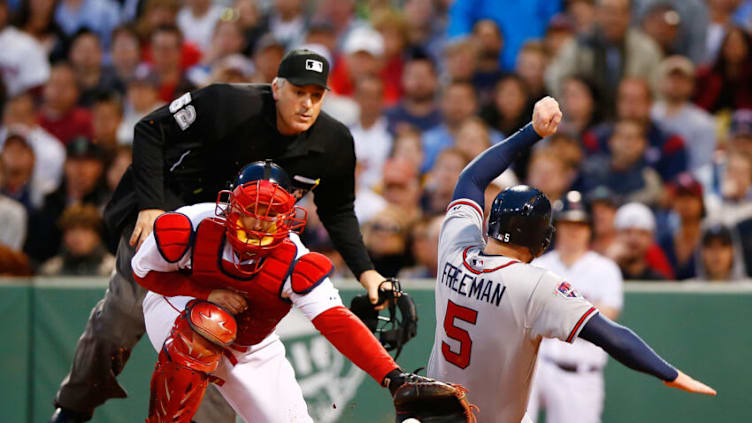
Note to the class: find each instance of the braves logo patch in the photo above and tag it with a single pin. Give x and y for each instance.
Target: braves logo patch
(566, 289)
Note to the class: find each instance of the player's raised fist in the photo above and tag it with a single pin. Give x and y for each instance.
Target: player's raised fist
(546, 116)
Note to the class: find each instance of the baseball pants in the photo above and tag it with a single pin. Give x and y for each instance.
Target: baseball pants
(566, 396)
(260, 386)
(115, 325)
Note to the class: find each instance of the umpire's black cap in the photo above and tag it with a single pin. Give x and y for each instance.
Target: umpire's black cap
(304, 67)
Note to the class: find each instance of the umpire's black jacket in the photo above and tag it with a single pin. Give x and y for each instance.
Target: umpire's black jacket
(189, 150)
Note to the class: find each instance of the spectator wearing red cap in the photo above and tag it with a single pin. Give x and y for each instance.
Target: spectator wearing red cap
(681, 245)
(561, 28)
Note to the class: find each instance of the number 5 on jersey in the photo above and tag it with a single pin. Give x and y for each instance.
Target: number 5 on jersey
(454, 311)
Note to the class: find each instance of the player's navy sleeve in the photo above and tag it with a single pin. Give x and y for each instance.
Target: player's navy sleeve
(491, 163)
(626, 347)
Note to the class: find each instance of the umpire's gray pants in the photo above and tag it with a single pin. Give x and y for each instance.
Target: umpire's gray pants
(115, 325)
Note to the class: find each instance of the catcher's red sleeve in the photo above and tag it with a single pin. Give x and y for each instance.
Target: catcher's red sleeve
(171, 284)
(353, 339)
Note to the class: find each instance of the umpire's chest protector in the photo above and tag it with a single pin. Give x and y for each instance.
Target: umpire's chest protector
(262, 291)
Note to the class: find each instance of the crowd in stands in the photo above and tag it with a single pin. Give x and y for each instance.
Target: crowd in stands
(656, 96)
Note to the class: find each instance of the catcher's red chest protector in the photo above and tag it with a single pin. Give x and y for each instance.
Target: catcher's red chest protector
(262, 291)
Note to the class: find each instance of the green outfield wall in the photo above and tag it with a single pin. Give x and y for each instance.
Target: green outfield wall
(703, 329)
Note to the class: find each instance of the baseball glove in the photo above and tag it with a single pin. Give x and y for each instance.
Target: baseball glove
(428, 400)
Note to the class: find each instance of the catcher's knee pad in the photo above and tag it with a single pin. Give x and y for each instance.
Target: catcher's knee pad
(192, 351)
(199, 336)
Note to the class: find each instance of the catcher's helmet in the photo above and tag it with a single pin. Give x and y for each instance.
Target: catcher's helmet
(266, 170)
(571, 208)
(521, 215)
(401, 324)
(259, 212)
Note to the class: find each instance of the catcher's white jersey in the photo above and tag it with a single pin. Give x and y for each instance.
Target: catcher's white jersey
(491, 314)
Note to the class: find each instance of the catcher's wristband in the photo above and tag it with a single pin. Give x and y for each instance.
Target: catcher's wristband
(393, 380)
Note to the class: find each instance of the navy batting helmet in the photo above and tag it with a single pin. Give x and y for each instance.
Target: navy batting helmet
(571, 208)
(521, 215)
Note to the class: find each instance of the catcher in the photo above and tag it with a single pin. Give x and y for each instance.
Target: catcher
(221, 277)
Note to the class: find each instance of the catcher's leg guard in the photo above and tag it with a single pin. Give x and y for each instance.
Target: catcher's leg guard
(190, 353)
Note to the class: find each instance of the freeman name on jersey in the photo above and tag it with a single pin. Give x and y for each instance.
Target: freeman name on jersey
(472, 286)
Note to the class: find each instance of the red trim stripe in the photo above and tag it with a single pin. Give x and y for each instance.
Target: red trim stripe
(230, 356)
(216, 380)
(478, 272)
(579, 323)
(467, 203)
(173, 307)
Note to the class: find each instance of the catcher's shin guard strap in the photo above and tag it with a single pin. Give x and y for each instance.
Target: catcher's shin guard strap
(176, 391)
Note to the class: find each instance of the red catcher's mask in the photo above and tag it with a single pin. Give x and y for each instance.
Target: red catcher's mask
(260, 215)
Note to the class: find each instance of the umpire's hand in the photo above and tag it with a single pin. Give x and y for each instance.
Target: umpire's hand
(144, 226)
(546, 116)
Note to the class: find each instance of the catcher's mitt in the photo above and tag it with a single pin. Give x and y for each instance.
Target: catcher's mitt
(395, 330)
(428, 400)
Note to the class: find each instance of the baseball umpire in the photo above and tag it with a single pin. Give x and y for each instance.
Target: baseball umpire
(493, 308)
(184, 153)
